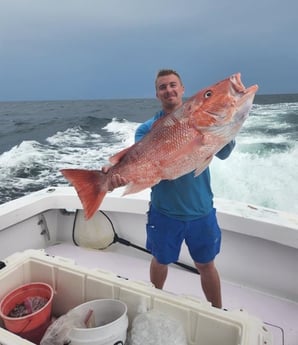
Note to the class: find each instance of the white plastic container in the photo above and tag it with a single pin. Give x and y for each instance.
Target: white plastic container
(110, 320)
(74, 285)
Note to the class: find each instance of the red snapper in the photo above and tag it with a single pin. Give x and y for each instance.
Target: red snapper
(178, 143)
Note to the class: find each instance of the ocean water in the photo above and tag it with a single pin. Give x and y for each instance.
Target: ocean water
(37, 139)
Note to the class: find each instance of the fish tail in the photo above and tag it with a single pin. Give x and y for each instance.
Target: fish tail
(91, 187)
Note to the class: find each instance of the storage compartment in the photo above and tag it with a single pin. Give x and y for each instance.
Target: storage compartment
(74, 285)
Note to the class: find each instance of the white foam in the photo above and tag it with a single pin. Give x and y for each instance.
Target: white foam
(20, 154)
(267, 178)
(125, 131)
(269, 181)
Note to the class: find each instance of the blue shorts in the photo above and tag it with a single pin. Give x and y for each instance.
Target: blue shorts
(165, 236)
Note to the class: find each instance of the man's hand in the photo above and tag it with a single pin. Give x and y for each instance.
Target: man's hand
(116, 180)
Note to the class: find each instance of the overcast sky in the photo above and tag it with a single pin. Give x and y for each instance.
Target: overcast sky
(95, 49)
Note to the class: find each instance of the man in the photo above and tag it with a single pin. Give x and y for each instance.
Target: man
(181, 209)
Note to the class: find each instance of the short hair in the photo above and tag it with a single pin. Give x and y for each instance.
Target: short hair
(164, 72)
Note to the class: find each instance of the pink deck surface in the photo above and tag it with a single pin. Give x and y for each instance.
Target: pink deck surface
(279, 315)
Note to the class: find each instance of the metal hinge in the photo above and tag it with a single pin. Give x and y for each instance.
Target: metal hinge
(44, 227)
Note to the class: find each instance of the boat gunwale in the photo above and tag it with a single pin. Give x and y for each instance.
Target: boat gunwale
(261, 222)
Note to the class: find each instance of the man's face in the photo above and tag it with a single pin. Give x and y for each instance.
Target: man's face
(169, 91)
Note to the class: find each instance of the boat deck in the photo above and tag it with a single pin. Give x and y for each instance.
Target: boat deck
(279, 315)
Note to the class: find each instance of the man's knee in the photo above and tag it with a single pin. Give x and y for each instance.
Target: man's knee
(205, 267)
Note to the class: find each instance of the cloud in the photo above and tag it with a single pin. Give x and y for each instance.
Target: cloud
(93, 48)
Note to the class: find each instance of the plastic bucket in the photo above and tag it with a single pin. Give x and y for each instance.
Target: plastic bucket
(110, 319)
(31, 326)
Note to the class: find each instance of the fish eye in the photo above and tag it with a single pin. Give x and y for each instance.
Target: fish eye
(208, 94)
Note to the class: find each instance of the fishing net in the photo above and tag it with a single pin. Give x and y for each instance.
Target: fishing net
(96, 233)
(99, 233)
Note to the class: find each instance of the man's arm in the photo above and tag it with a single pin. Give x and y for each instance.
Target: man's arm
(143, 129)
(226, 150)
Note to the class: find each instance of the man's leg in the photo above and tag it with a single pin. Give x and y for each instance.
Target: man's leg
(210, 283)
(158, 273)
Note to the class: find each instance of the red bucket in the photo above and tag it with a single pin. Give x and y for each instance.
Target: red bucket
(32, 326)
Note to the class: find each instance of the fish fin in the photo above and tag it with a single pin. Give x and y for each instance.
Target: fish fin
(118, 156)
(157, 122)
(90, 186)
(132, 188)
(166, 121)
(204, 166)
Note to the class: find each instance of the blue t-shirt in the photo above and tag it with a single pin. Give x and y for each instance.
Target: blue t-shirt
(187, 197)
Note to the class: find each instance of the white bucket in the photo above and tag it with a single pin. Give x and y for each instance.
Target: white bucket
(110, 319)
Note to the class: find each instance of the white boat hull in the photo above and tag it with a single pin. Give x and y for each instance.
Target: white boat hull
(259, 246)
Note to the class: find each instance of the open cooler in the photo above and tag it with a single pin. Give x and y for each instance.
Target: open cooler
(74, 285)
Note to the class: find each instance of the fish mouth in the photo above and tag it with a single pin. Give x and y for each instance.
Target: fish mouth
(241, 99)
(239, 90)
(243, 96)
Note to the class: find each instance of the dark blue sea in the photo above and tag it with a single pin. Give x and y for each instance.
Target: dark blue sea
(37, 139)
